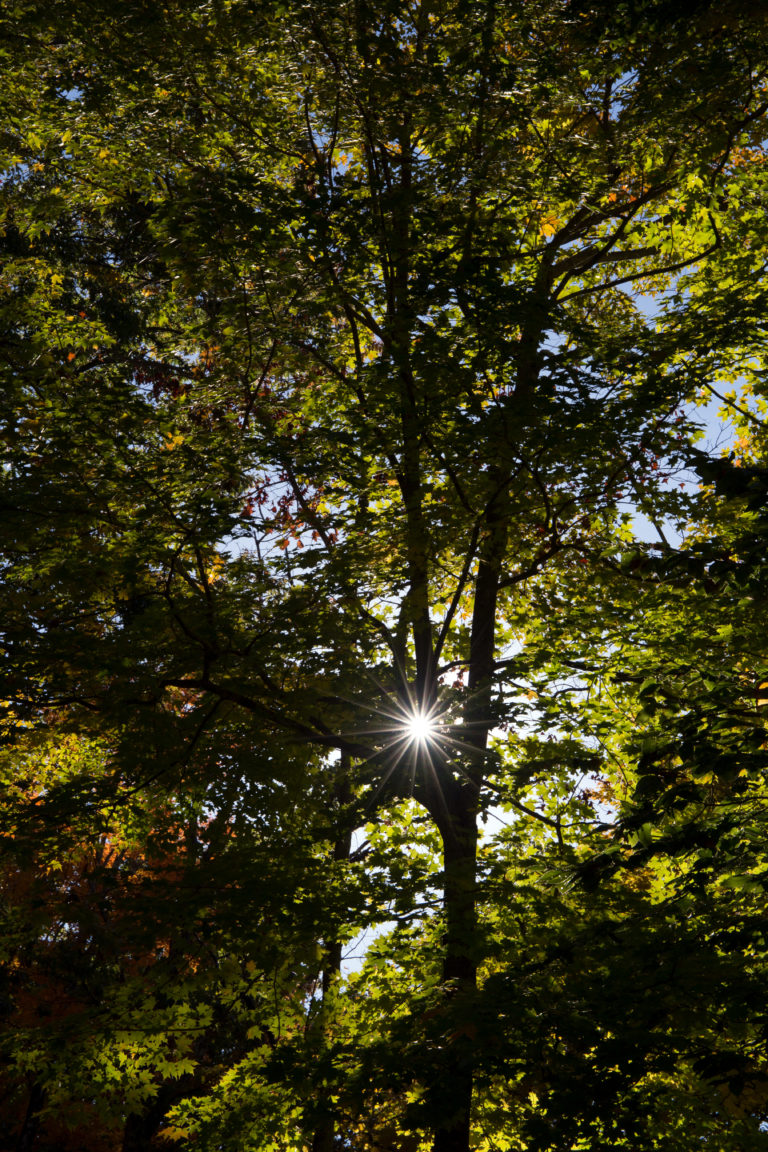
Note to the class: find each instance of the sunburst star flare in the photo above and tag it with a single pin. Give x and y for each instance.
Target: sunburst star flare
(420, 727)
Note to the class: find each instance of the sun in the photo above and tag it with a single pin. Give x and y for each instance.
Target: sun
(420, 728)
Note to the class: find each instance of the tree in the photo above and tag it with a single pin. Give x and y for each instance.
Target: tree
(329, 382)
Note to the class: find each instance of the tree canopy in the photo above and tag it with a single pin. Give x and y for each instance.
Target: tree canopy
(366, 566)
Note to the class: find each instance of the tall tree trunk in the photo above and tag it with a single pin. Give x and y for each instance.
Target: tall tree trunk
(324, 1135)
(31, 1120)
(453, 1095)
(459, 835)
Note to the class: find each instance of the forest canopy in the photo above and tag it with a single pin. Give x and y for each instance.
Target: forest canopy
(369, 564)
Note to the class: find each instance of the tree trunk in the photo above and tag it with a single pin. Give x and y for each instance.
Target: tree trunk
(453, 1095)
(31, 1120)
(324, 1135)
(459, 834)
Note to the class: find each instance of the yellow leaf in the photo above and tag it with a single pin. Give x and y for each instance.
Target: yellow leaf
(172, 1133)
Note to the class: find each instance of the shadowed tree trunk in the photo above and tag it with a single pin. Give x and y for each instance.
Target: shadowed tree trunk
(28, 1132)
(324, 1136)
